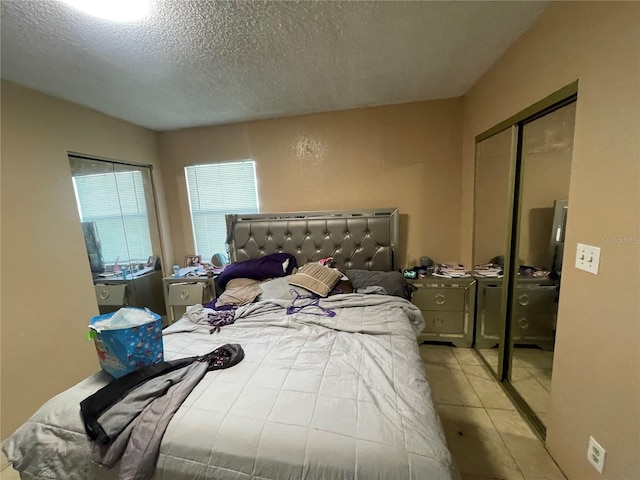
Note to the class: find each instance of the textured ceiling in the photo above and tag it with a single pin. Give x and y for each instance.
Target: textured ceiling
(196, 63)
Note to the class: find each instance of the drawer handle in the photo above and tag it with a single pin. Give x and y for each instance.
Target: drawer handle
(104, 294)
(437, 321)
(439, 299)
(523, 300)
(524, 323)
(184, 295)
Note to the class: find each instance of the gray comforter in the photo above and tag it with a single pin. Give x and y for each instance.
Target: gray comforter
(315, 398)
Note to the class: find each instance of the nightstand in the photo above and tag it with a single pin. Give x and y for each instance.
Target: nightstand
(535, 308)
(447, 305)
(145, 290)
(181, 292)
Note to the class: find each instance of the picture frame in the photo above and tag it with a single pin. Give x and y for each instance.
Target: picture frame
(192, 260)
(154, 262)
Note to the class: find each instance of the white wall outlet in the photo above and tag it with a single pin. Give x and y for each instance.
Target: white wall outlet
(588, 258)
(596, 454)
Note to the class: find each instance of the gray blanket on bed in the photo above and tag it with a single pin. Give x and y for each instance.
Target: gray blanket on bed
(315, 397)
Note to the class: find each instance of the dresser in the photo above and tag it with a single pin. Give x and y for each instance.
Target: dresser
(447, 305)
(535, 307)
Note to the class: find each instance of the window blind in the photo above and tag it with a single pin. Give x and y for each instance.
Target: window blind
(116, 203)
(215, 190)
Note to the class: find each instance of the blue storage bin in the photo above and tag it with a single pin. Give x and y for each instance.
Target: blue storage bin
(127, 349)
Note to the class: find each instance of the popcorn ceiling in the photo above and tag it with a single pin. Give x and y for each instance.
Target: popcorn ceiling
(193, 63)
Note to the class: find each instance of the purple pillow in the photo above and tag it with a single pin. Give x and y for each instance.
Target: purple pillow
(269, 266)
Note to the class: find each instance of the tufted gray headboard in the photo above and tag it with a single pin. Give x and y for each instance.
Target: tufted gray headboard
(364, 239)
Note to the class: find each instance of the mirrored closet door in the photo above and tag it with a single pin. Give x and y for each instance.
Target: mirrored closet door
(117, 212)
(545, 168)
(521, 206)
(494, 186)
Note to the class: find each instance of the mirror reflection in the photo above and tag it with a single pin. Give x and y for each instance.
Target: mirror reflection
(493, 206)
(544, 188)
(117, 212)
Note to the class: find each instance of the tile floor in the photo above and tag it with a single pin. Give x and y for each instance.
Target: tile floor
(486, 435)
(530, 376)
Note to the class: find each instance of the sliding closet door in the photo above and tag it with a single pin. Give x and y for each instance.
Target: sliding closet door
(135, 194)
(493, 207)
(545, 168)
(116, 206)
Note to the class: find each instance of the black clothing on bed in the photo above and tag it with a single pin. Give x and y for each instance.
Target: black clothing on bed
(94, 406)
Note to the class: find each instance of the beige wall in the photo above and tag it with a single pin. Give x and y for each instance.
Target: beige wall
(595, 387)
(47, 290)
(405, 156)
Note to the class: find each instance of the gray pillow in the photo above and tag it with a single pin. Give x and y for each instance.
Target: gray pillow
(393, 282)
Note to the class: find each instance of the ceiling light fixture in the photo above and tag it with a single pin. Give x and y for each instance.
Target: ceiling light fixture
(116, 10)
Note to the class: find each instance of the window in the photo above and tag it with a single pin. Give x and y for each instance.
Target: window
(113, 197)
(215, 190)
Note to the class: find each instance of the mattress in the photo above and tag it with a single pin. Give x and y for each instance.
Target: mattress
(315, 397)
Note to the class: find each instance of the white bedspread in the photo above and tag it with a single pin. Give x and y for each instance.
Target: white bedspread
(315, 398)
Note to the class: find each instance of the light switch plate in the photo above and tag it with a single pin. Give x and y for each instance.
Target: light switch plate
(588, 258)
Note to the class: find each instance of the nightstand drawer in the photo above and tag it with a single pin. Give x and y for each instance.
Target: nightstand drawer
(540, 299)
(446, 299)
(534, 326)
(111, 295)
(443, 322)
(492, 298)
(181, 294)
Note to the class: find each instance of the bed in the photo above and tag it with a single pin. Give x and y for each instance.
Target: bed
(316, 397)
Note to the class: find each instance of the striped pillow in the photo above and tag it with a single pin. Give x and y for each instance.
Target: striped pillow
(316, 278)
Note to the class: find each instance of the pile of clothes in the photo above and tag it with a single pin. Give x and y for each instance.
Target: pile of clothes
(127, 418)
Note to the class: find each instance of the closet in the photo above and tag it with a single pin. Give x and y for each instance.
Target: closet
(521, 205)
